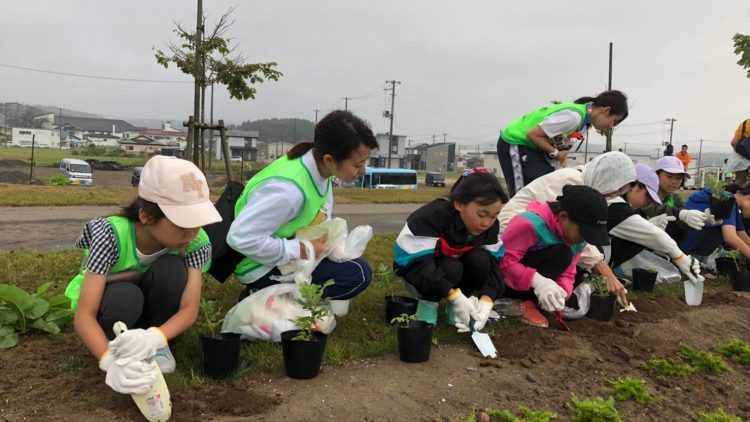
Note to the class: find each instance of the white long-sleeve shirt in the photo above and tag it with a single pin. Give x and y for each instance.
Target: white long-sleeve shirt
(271, 205)
(641, 231)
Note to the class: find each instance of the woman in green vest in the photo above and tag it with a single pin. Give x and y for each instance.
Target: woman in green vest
(527, 146)
(295, 192)
(144, 268)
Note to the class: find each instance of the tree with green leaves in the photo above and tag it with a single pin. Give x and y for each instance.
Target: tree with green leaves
(217, 65)
(742, 49)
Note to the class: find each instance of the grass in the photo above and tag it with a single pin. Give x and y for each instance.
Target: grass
(667, 367)
(631, 389)
(51, 156)
(595, 410)
(696, 361)
(388, 196)
(737, 350)
(362, 333)
(716, 416)
(524, 414)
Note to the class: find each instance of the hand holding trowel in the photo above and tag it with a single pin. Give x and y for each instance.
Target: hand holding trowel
(155, 404)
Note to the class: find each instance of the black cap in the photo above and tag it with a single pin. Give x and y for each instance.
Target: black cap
(587, 208)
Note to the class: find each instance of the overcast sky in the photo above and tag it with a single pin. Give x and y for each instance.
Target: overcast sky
(466, 68)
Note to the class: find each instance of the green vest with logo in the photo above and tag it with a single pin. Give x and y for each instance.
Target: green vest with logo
(294, 171)
(545, 237)
(515, 133)
(124, 231)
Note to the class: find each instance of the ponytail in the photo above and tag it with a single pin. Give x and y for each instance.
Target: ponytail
(299, 150)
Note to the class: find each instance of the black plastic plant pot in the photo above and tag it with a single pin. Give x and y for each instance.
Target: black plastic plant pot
(644, 280)
(397, 305)
(726, 266)
(602, 307)
(741, 281)
(220, 355)
(415, 342)
(721, 208)
(302, 358)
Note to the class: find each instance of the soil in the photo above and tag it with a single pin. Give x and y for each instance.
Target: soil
(46, 378)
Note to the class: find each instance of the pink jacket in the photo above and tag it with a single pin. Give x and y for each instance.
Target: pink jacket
(519, 237)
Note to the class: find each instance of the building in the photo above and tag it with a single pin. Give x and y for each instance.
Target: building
(379, 156)
(173, 137)
(41, 138)
(492, 163)
(85, 129)
(269, 151)
(242, 143)
(142, 145)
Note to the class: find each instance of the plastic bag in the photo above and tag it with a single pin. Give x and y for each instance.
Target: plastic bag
(583, 293)
(267, 313)
(667, 272)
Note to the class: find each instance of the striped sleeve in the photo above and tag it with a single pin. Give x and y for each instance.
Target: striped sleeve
(410, 247)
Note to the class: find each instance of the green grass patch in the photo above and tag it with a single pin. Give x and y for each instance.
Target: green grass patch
(631, 389)
(51, 156)
(50, 195)
(388, 196)
(524, 414)
(595, 410)
(703, 361)
(716, 416)
(667, 367)
(737, 350)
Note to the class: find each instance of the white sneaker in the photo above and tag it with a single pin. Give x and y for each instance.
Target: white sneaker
(165, 360)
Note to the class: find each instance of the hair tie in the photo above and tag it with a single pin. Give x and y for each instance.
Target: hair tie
(474, 170)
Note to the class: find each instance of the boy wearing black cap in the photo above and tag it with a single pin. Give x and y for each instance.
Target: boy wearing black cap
(544, 243)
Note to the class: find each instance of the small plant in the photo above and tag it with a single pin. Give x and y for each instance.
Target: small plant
(737, 350)
(717, 188)
(703, 361)
(597, 410)
(211, 317)
(631, 389)
(403, 319)
(524, 414)
(717, 416)
(387, 276)
(313, 302)
(667, 367)
(598, 285)
(58, 180)
(21, 311)
(735, 255)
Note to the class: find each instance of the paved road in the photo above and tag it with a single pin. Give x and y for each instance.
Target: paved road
(58, 227)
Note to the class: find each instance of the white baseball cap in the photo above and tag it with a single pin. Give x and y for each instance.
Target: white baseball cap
(180, 190)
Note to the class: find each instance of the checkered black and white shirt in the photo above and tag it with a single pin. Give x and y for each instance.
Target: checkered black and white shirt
(99, 238)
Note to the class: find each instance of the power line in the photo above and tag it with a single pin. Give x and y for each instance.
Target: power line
(80, 75)
(445, 115)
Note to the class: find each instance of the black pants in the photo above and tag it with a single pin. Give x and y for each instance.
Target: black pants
(549, 262)
(469, 272)
(151, 302)
(623, 250)
(534, 164)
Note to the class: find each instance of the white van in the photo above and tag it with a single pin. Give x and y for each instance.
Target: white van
(78, 171)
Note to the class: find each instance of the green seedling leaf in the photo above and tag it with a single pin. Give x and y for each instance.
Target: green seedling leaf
(43, 325)
(59, 315)
(38, 308)
(16, 296)
(59, 301)
(8, 315)
(8, 338)
(41, 290)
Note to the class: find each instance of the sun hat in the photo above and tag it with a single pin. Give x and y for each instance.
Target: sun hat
(647, 176)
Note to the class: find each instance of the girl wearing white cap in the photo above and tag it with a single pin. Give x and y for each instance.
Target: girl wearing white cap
(610, 173)
(630, 233)
(143, 267)
(294, 192)
(671, 174)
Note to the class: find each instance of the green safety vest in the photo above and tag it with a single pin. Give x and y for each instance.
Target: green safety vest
(545, 237)
(515, 133)
(294, 171)
(124, 231)
(669, 201)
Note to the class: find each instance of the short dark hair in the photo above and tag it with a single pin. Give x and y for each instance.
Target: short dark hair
(337, 134)
(131, 210)
(480, 187)
(684, 146)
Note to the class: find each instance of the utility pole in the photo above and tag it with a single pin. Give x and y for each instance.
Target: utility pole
(390, 132)
(626, 148)
(31, 168)
(198, 76)
(60, 127)
(316, 115)
(444, 137)
(698, 182)
(211, 131)
(609, 88)
(433, 139)
(346, 102)
(671, 128)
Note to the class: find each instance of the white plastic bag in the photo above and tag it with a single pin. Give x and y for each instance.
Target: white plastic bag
(267, 313)
(583, 293)
(667, 272)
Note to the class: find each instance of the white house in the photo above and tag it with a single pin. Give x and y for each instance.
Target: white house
(173, 137)
(42, 138)
(379, 157)
(492, 164)
(241, 143)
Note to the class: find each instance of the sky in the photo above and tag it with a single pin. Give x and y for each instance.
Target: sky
(466, 69)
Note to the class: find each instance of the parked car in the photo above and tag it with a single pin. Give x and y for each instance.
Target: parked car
(434, 179)
(135, 178)
(78, 171)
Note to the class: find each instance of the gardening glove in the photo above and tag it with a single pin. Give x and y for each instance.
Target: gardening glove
(135, 377)
(463, 307)
(693, 218)
(690, 267)
(481, 312)
(710, 219)
(551, 296)
(661, 221)
(137, 344)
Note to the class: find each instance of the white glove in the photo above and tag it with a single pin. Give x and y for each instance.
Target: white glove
(551, 296)
(690, 267)
(481, 312)
(135, 377)
(693, 218)
(137, 344)
(661, 221)
(710, 219)
(463, 307)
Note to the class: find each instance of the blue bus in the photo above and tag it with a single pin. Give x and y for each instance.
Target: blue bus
(385, 178)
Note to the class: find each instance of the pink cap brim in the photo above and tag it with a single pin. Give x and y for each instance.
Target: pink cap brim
(192, 215)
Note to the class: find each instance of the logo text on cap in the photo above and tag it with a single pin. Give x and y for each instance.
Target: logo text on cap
(190, 183)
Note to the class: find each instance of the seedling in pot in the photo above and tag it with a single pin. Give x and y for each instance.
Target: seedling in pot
(735, 255)
(211, 317)
(598, 285)
(716, 187)
(312, 301)
(403, 319)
